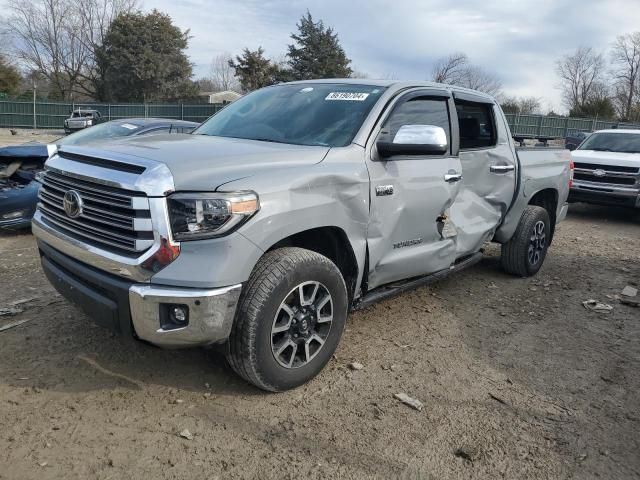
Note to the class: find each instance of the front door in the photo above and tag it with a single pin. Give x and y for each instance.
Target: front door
(410, 194)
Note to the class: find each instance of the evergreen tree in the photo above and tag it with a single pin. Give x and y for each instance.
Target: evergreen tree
(143, 59)
(317, 52)
(254, 70)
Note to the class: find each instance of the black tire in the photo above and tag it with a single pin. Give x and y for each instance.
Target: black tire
(517, 257)
(274, 279)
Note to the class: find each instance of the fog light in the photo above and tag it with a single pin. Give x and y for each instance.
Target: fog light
(179, 314)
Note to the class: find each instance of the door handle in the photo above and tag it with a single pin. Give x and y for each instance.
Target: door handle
(501, 168)
(452, 177)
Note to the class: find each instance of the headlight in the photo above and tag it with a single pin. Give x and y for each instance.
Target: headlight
(205, 215)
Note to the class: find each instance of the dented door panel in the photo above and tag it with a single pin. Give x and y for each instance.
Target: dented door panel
(405, 229)
(485, 193)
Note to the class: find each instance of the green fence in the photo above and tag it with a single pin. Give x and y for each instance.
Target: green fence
(52, 114)
(544, 127)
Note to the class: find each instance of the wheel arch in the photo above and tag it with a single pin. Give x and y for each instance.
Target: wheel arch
(333, 243)
(547, 199)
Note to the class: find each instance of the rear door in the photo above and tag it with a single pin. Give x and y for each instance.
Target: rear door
(411, 193)
(489, 172)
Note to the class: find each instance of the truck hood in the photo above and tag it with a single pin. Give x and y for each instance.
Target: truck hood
(201, 162)
(607, 158)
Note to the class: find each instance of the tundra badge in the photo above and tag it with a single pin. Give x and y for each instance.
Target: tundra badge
(383, 190)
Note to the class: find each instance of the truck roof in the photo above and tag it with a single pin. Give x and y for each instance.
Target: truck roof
(395, 84)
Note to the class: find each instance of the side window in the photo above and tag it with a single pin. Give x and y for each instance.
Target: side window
(477, 128)
(420, 111)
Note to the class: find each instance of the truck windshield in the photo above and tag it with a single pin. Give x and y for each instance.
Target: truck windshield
(301, 114)
(613, 142)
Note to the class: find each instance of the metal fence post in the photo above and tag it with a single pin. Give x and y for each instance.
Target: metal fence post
(109, 111)
(182, 111)
(35, 122)
(540, 126)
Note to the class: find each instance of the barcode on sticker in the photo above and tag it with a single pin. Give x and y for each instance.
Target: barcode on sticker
(348, 96)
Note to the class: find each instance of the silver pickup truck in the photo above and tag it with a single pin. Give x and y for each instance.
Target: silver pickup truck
(289, 208)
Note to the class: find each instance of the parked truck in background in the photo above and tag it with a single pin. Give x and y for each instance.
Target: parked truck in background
(80, 119)
(607, 169)
(289, 208)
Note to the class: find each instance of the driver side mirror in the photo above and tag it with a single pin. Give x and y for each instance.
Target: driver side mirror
(414, 140)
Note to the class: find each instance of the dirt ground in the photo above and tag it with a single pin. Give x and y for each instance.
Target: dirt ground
(26, 136)
(517, 378)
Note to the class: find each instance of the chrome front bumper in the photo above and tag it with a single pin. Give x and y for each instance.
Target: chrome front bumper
(211, 314)
(138, 309)
(607, 194)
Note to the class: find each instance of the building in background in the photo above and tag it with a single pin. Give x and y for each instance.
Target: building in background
(224, 98)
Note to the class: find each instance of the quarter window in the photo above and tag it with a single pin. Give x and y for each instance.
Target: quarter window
(420, 111)
(477, 129)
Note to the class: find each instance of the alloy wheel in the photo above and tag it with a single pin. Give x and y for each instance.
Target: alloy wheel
(302, 324)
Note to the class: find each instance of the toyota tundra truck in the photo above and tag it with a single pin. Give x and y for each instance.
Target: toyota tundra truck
(289, 208)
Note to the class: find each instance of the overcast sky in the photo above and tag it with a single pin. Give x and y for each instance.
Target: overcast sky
(519, 40)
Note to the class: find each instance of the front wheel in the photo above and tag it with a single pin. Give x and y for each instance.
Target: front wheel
(524, 254)
(290, 319)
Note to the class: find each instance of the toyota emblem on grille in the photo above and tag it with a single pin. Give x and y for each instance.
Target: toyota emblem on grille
(599, 173)
(72, 203)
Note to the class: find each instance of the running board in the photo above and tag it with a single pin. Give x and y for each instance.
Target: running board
(388, 291)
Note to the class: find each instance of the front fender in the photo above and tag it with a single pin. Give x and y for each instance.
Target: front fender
(333, 193)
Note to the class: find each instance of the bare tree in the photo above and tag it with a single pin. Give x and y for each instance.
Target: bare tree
(625, 56)
(580, 74)
(477, 78)
(95, 18)
(451, 69)
(390, 76)
(222, 74)
(359, 74)
(456, 69)
(521, 105)
(58, 38)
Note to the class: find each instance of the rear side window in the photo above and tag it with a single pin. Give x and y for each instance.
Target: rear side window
(477, 128)
(420, 111)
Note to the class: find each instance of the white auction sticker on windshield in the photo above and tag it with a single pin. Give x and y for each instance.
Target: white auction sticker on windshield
(348, 96)
(128, 126)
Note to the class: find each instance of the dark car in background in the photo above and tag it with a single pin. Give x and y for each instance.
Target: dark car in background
(20, 164)
(574, 138)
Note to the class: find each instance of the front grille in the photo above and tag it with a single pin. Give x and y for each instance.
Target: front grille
(611, 168)
(113, 219)
(606, 174)
(590, 177)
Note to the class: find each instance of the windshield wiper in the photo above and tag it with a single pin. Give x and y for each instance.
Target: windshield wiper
(602, 149)
(270, 140)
